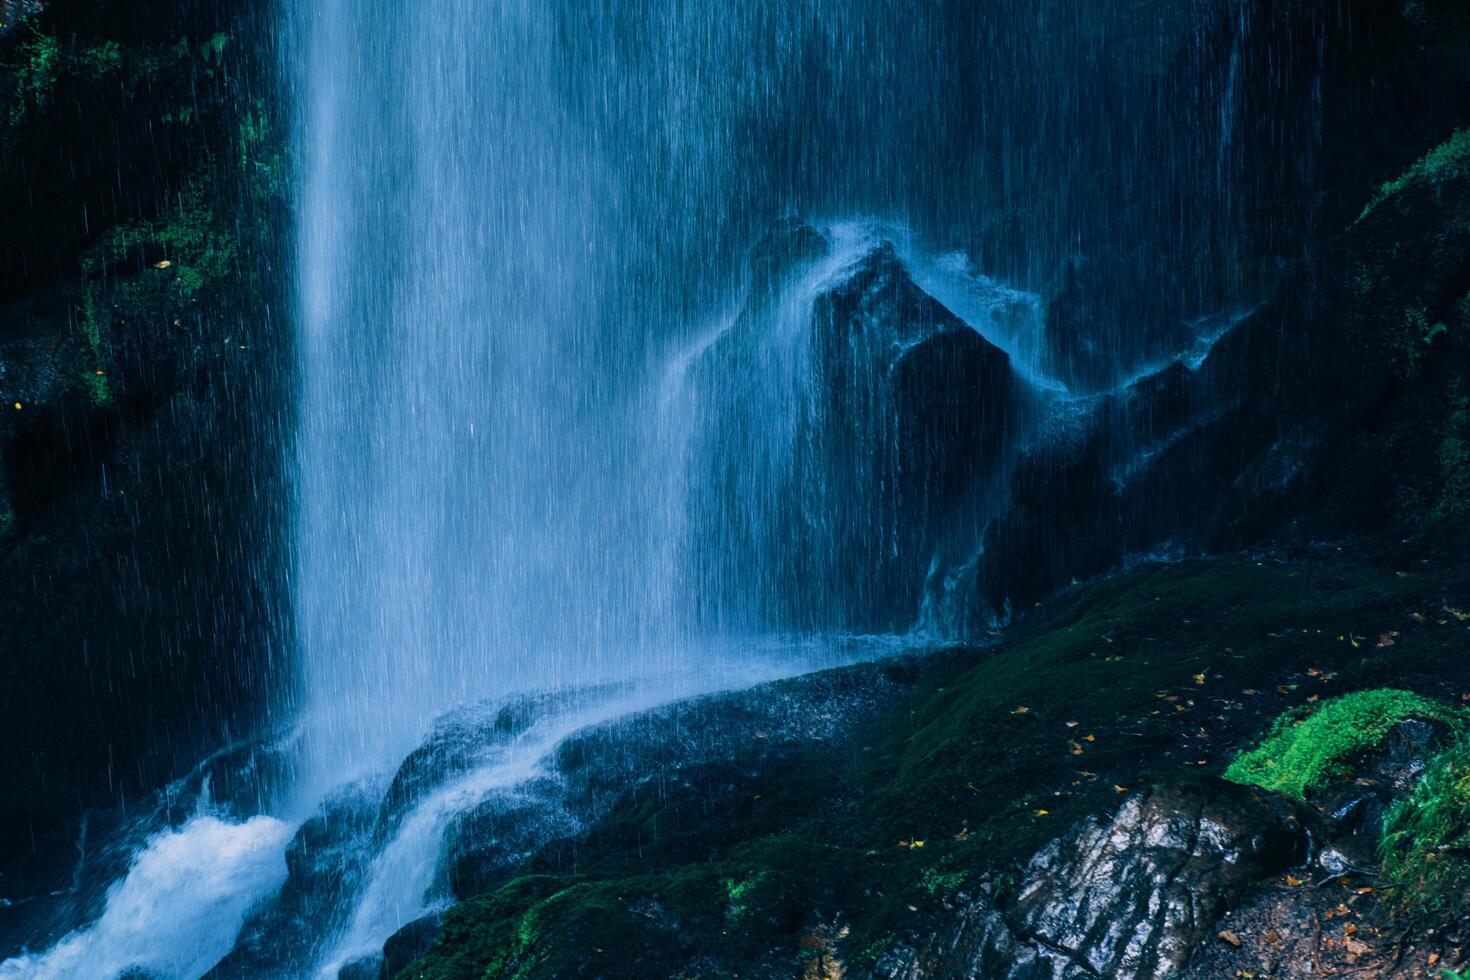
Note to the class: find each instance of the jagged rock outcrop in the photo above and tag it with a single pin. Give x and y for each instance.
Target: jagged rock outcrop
(1130, 896)
(1330, 409)
(857, 421)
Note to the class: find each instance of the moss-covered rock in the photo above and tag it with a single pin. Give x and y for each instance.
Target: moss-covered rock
(1309, 747)
(851, 856)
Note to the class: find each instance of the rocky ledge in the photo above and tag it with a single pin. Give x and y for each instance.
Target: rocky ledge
(1245, 801)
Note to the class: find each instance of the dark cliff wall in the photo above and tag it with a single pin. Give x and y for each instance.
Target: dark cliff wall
(144, 376)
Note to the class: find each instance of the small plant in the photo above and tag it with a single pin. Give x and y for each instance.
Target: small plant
(35, 75)
(938, 883)
(1307, 748)
(100, 59)
(738, 893)
(1426, 838)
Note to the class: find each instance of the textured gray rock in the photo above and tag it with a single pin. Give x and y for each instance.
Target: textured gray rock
(1131, 896)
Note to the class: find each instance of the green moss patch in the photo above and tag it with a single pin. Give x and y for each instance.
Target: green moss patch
(1449, 160)
(1309, 747)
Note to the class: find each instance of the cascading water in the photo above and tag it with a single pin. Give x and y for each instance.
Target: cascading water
(529, 459)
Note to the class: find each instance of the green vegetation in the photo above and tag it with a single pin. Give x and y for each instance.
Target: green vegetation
(1312, 746)
(100, 60)
(261, 158)
(187, 245)
(941, 883)
(213, 50)
(95, 376)
(1426, 840)
(1450, 159)
(34, 72)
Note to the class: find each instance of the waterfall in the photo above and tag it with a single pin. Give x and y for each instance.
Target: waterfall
(512, 217)
(575, 417)
(475, 501)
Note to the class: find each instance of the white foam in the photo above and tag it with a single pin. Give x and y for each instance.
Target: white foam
(178, 909)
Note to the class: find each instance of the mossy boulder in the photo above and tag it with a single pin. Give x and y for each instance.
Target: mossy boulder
(1308, 748)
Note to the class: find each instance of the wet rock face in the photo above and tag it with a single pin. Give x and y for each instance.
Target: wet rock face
(1102, 324)
(602, 763)
(910, 399)
(786, 247)
(488, 843)
(409, 943)
(460, 740)
(326, 864)
(855, 419)
(1135, 895)
(1132, 896)
(1385, 775)
(954, 396)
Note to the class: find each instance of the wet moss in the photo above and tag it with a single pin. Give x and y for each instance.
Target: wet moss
(1311, 746)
